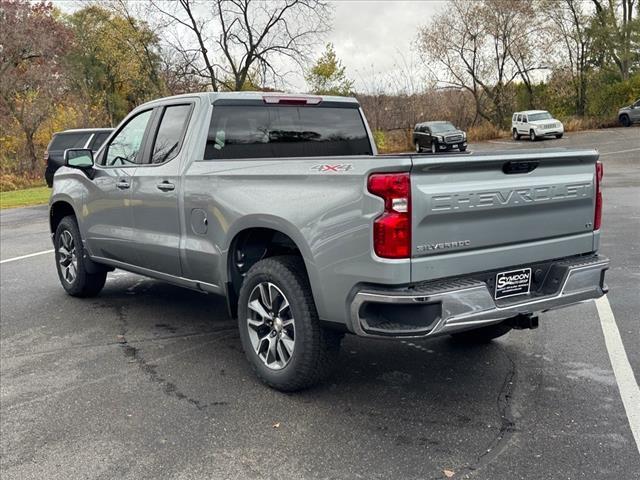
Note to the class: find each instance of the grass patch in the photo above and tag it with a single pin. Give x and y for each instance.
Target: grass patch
(26, 197)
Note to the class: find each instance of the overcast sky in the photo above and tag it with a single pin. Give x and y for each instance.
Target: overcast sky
(370, 36)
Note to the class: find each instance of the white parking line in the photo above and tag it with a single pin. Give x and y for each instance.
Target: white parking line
(14, 259)
(627, 384)
(620, 151)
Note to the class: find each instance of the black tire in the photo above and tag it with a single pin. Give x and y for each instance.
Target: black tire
(434, 148)
(515, 135)
(559, 136)
(625, 121)
(83, 283)
(418, 148)
(314, 348)
(463, 149)
(532, 136)
(483, 334)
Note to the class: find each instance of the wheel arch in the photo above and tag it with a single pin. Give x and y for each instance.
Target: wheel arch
(253, 242)
(57, 211)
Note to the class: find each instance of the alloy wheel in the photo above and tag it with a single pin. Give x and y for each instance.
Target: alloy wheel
(67, 257)
(271, 325)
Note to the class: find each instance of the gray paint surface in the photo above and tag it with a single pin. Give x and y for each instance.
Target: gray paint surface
(329, 215)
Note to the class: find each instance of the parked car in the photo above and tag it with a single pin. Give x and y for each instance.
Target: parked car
(629, 115)
(281, 204)
(91, 138)
(438, 136)
(535, 124)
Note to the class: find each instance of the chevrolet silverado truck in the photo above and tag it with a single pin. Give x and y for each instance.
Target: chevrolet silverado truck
(282, 204)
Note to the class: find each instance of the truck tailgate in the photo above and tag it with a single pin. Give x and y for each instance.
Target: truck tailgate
(486, 211)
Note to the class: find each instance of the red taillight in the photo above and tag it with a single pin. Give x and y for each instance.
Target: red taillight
(597, 217)
(392, 230)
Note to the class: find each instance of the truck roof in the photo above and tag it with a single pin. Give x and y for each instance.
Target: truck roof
(213, 96)
(85, 130)
(529, 112)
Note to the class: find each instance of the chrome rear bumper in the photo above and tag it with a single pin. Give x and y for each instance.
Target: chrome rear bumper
(467, 303)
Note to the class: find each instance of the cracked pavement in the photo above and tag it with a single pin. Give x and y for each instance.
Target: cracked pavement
(148, 380)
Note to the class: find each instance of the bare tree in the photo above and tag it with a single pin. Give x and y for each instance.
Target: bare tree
(236, 43)
(569, 24)
(481, 47)
(618, 31)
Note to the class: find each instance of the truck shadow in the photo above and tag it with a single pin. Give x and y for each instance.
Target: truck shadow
(410, 398)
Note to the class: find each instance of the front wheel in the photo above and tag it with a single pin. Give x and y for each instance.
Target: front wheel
(463, 149)
(71, 262)
(559, 136)
(434, 148)
(279, 326)
(625, 121)
(532, 136)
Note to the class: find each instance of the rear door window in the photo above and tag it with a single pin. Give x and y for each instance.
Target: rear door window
(170, 133)
(285, 131)
(98, 139)
(62, 141)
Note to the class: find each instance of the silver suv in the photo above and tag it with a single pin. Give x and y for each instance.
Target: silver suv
(629, 115)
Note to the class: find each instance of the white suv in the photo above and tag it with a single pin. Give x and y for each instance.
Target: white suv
(535, 124)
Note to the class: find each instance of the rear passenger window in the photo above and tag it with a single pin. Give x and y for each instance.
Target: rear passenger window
(62, 141)
(98, 140)
(169, 137)
(285, 131)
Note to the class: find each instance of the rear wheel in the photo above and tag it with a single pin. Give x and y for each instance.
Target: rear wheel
(515, 135)
(625, 121)
(532, 136)
(483, 334)
(71, 261)
(418, 148)
(279, 326)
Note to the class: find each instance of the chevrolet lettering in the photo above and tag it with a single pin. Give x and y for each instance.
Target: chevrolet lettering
(499, 198)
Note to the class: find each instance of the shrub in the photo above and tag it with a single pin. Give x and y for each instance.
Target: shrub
(9, 182)
(485, 131)
(380, 139)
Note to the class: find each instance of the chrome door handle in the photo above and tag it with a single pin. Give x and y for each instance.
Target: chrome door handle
(123, 184)
(166, 186)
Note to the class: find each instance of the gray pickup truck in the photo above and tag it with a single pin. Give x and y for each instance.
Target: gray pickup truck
(282, 204)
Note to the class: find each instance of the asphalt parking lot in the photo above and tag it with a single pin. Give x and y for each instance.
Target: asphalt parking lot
(149, 381)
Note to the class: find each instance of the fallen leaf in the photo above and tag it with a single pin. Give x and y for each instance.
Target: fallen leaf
(276, 425)
(448, 473)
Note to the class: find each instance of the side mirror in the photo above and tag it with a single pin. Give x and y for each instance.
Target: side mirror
(78, 158)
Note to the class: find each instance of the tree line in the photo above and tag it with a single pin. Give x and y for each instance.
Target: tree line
(473, 63)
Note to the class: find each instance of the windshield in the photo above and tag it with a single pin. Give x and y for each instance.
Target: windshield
(539, 116)
(442, 127)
